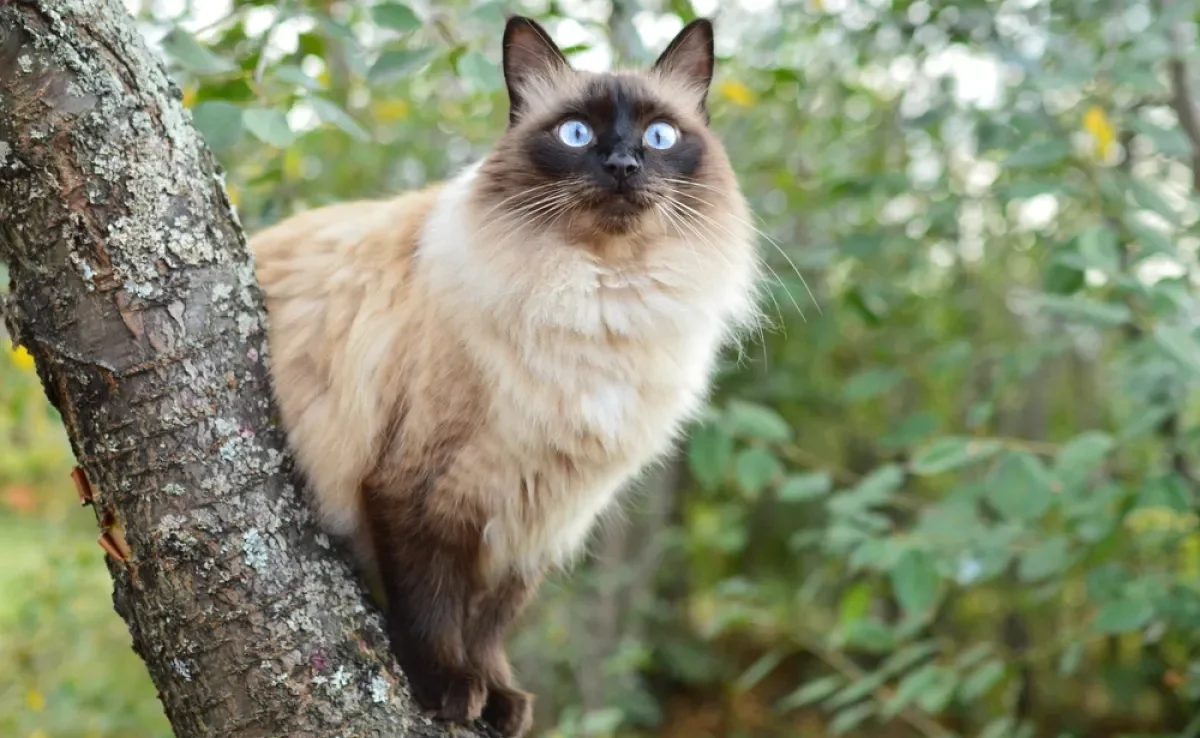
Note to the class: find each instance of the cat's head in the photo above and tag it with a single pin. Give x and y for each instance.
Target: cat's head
(600, 154)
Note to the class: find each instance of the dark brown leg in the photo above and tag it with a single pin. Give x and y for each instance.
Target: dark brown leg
(430, 575)
(508, 709)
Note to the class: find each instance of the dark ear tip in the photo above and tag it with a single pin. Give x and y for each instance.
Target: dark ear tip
(704, 25)
(513, 22)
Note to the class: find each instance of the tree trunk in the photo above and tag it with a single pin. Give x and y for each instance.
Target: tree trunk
(133, 289)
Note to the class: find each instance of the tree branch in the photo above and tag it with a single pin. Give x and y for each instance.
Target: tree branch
(133, 289)
(1182, 98)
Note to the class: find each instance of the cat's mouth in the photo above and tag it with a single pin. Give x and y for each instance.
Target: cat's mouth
(623, 198)
(618, 208)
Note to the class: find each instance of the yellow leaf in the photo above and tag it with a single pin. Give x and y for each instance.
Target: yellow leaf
(737, 93)
(35, 701)
(189, 96)
(391, 111)
(1097, 124)
(22, 359)
(1190, 549)
(293, 164)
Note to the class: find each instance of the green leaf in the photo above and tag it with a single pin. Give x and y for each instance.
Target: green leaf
(854, 604)
(973, 655)
(219, 122)
(870, 383)
(1039, 154)
(1169, 141)
(1149, 199)
(982, 680)
(908, 656)
(948, 453)
(1087, 310)
(874, 554)
(479, 71)
(491, 13)
(870, 634)
(399, 63)
(1001, 727)
(811, 692)
(294, 75)
(908, 431)
(751, 420)
(270, 126)
(1019, 487)
(1181, 345)
(191, 55)
(874, 489)
(805, 487)
(915, 580)
(710, 454)
(331, 113)
(1122, 616)
(1045, 559)
(856, 690)
(757, 671)
(1077, 459)
(395, 16)
(336, 28)
(1168, 491)
(1149, 419)
(916, 682)
(755, 469)
(1152, 240)
(849, 719)
(601, 722)
(935, 698)
(1100, 250)
(1068, 662)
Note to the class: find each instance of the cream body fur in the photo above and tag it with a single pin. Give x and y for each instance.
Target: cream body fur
(578, 369)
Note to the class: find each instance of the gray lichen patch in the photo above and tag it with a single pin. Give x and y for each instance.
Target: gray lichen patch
(380, 689)
(255, 550)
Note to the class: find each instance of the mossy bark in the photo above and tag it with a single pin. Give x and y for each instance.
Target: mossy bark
(133, 289)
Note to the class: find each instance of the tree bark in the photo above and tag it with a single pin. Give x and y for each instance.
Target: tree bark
(133, 289)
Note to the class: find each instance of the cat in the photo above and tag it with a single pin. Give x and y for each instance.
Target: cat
(468, 374)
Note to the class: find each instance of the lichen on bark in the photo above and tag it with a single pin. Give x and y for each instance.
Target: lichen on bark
(132, 287)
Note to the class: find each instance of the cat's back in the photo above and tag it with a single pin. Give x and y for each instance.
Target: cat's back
(337, 286)
(335, 247)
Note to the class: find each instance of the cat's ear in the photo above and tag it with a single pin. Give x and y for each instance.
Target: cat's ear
(529, 54)
(690, 57)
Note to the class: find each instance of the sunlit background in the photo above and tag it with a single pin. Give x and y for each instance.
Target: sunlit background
(950, 490)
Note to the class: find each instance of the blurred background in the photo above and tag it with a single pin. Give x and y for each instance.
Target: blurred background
(952, 488)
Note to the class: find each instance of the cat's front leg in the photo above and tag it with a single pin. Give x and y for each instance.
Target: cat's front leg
(509, 709)
(429, 569)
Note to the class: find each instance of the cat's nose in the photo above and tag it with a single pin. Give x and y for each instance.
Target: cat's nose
(621, 165)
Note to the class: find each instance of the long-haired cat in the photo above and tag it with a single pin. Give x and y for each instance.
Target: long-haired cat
(468, 374)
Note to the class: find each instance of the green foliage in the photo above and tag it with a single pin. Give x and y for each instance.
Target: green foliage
(958, 499)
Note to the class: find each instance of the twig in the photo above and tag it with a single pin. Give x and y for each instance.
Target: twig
(1181, 96)
(260, 67)
(842, 664)
(1189, 121)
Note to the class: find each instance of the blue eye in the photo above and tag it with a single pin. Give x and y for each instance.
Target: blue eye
(575, 133)
(660, 135)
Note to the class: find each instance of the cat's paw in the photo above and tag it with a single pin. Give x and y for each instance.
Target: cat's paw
(458, 696)
(463, 697)
(509, 711)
